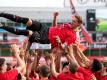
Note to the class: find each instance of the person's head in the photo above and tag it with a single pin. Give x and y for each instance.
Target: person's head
(65, 67)
(3, 65)
(96, 65)
(9, 66)
(32, 52)
(19, 77)
(76, 21)
(22, 52)
(104, 64)
(44, 71)
(73, 67)
(104, 67)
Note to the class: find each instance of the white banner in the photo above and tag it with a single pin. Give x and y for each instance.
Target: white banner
(87, 3)
(40, 46)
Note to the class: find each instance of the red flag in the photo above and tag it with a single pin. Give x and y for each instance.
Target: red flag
(86, 35)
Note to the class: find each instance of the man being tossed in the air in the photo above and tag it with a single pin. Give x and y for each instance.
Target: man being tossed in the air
(40, 33)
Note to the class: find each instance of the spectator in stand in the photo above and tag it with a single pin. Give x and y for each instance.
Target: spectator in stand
(104, 39)
(11, 74)
(99, 39)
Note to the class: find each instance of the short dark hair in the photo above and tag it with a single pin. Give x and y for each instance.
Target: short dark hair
(2, 60)
(64, 64)
(96, 65)
(73, 67)
(19, 76)
(44, 71)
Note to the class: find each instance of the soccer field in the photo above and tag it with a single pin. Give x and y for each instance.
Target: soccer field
(102, 26)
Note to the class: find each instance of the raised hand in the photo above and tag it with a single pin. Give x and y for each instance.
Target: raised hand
(57, 39)
(56, 14)
(52, 57)
(15, 49)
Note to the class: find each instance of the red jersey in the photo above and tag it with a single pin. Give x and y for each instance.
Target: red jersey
(98, 75)
(65, 33)
(70, 76)
(44, 79)
(9, 75)
(52, 77)
(32, 76)
(104, 77)
(88, 75)
(62, 76)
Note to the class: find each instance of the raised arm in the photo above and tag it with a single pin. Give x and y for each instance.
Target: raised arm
(53, 69)
(55, 15)
(81, 58)
(70, 55)
(34, 65)
(16, 53)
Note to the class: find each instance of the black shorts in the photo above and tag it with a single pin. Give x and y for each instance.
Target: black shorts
(40, 32)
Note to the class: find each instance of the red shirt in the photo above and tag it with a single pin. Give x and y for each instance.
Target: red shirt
(32, 76)
(65, 33)
(52, 77)
(9, 75)
(100, 77)
(88, 75)
(104, 77)
(44, 79)
(70, 76)
(62, 76)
